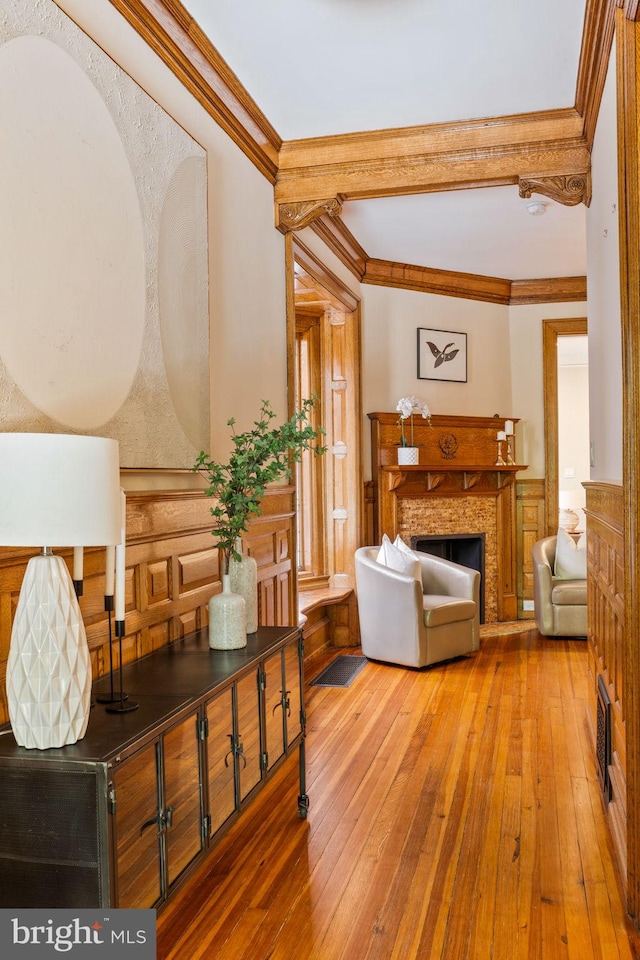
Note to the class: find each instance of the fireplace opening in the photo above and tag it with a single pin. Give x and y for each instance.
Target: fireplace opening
(464, 548)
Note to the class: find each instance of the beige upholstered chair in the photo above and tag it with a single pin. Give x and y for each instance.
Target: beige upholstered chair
(415, 623)
(560, 604)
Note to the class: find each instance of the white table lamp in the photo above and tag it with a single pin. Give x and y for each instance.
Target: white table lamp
(63, 491)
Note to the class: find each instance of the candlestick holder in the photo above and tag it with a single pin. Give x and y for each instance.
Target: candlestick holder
(510, 459)
(500, 462)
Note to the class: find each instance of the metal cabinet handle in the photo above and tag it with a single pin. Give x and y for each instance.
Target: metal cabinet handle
(149, 823)
(164, 820)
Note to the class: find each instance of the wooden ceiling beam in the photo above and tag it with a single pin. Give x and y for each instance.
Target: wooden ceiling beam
(435, 157)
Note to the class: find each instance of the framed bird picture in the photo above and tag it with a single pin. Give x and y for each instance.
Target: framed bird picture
(442, 355)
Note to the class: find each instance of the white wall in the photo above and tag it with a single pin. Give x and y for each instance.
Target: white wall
(525, 325)
(573, 434)
(390, 319)
(246, 253)
(605, 350)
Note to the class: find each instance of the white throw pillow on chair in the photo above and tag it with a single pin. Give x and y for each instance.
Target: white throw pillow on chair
(571, 557)
(389, 555)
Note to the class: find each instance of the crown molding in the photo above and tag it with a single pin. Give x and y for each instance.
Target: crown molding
(470, 286)
(177, 39)
(335, 235)
(597, 39)
(551, 290)
(448, 283)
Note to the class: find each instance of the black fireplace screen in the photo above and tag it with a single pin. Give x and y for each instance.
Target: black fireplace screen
(464, 548)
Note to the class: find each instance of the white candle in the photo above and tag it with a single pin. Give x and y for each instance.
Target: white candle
(508, 427)
(78, 561)
(119, 603)
(501, 435)
(110, 571)
(120, 561)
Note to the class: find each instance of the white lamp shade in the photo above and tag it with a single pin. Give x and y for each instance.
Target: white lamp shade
(59, 490)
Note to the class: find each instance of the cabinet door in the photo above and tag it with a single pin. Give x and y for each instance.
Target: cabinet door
(220, 759)
(182, 807)
(137, 830)
(248, 733)
(293, 686)
(275, 708)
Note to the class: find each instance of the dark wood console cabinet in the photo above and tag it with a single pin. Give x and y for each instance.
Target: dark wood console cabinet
(121, 817)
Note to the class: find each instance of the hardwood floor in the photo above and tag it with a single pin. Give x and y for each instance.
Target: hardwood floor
(455, 813)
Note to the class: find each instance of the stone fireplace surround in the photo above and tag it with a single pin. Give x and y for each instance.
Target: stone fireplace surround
(457, 487)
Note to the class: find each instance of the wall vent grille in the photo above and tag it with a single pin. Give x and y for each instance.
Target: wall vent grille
(603, 738)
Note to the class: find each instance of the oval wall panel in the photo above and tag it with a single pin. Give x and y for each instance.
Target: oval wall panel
(72, 274)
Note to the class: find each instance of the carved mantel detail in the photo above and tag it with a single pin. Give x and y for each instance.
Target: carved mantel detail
(569, 190)
(296, 216)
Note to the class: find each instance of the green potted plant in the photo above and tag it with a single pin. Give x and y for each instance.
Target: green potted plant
(260, 456)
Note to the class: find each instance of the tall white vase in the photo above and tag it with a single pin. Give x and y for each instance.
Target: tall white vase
(244, 580)
(227, 619)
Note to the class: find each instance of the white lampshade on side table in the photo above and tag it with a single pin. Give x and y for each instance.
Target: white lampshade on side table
(56, 490)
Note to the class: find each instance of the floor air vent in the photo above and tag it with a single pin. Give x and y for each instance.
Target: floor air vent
(603, 738)
(340, 672)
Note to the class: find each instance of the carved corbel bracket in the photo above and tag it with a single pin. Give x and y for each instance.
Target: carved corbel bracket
(470, 480)
(434, 480)
(396, 480)
(296, 216)
(569, 190)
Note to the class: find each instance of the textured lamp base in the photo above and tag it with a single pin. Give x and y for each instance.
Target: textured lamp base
(49, 668)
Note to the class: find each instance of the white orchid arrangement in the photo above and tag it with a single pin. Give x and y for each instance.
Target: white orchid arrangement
(406, 407)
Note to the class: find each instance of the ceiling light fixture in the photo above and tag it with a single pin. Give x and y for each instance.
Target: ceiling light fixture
(537, 208)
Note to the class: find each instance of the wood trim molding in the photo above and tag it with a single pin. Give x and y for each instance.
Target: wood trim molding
(597, 39)
(495, 151)
(318, 271)
(551, 330)
(628, 83)
(471, 286)
(333, 232)
(176, 38)
(408, 276)
(552, 290)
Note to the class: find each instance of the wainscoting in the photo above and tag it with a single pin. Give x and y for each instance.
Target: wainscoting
(605, 585)
(172, 569)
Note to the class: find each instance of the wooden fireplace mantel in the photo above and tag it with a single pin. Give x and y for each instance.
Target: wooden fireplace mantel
(457, 460)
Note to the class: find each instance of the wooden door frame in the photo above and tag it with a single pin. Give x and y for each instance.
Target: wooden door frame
(628, 96)
(551, 330)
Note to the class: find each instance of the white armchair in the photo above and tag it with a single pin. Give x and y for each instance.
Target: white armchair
(413, 623)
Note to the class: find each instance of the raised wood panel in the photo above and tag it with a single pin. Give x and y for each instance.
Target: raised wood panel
(530, 525)
(172, 570)
(606, 637)
(157, 581)
(195, 569)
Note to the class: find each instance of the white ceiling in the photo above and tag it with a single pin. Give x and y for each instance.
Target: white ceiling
(321, 67)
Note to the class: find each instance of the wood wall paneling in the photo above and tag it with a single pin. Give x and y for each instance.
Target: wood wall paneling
(530, 527)
(606, 639)
(172, 570)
